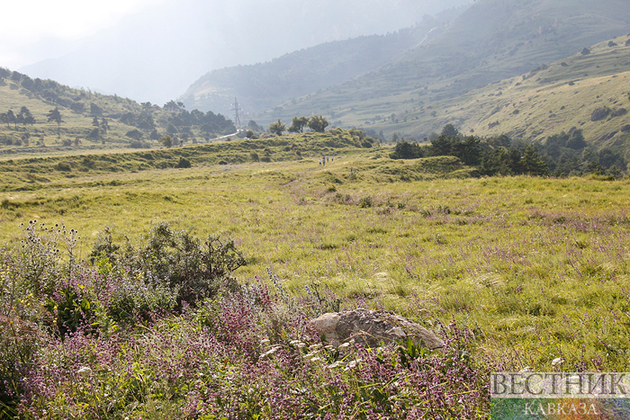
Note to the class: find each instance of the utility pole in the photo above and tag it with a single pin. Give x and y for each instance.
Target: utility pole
(237, 112)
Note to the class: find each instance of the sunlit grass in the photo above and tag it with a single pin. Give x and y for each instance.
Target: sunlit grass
(538, 266)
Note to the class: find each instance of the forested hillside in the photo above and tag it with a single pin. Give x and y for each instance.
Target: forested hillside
(37, 115)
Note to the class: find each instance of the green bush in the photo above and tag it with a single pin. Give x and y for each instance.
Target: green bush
(188, 268)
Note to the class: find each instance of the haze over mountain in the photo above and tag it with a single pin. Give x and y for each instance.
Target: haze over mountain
(264, 85)
(155, 55)
(490, 41)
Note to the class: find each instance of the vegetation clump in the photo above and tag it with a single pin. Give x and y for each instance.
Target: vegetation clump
(561, 155)
(115, 336)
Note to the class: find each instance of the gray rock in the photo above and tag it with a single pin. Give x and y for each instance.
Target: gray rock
(371, 328)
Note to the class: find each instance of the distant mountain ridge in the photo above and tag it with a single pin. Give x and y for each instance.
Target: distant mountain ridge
(492, 40)
(264, 85)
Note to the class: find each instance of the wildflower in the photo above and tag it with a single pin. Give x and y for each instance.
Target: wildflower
(353, 364)
(557, 361)
(269, 352)
(316, 359)
(334, 365)
(264, 342)
(311, 354)
(84, 371)
(344, 345)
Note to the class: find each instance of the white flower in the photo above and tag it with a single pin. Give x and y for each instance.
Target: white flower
(353, 363)
(557, 361)
(335, 365)
(269, 352)
(84, 371)
(344, 345)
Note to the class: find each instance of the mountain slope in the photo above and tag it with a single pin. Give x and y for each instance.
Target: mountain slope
(492, 40)
(265, 85)
(590, 92)
(88, 120)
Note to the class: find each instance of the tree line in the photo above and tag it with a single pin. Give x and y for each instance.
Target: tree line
(146, 120)
(316, 123)
(563, 154)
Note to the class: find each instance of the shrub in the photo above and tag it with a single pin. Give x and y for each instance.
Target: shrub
(183, 163)
(189, 268)
(619, 112)
(406, 150)
(63, 167)
(600, 114)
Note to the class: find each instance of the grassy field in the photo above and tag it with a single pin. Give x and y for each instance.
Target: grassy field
(513, 272)
(538, 266)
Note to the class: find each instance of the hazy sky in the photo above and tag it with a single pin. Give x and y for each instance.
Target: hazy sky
(153, 50)
(28, 21)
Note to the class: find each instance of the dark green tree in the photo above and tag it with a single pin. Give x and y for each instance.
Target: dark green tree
(95, 110)
(406, 150)
(134, 134)
(318, 123)
(298, 124)
(167, 141)
(11, 118)
(532, 163)
(26, 117)
(277, 128)
(450, 130)
(55, 116)
(104, 125)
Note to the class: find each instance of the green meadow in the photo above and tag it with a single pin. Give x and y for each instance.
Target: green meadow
(537, 268)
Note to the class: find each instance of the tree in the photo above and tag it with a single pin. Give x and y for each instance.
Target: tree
(406, 150)
(104, 125)
(450, 130)
(318, 123)
(55, 116)
(277, 128)
(25, 116)
(167, 141)
(11, 118)
(95, 134)
(134, 134)
(532, 164)
(96, 110)
(298, 124)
